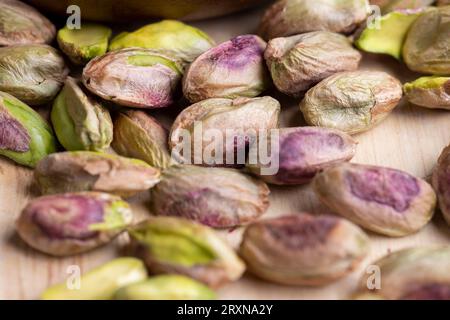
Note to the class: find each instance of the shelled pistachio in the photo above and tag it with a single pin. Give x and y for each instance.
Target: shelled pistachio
(94, 171)
(180, 246)
(441, 182)
(429, 92)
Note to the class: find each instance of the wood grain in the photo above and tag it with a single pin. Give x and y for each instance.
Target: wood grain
(410, 139)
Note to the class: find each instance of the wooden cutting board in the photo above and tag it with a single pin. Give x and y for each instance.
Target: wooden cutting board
(411, 139)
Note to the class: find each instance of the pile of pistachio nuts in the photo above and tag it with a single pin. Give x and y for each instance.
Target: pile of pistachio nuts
(103, 145)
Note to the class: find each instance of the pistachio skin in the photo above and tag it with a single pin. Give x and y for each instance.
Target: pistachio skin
(411, 274)
(301, 249)
(441, 182)
(72, 223)
(138, 135)
(391, 34)
(353, 101)
(84, 44)
(79, 120)
(184, 41)
(305, 151)
(101, 283)
(134, 77)
(242, 119)
(240, 59)
(166, 287)
(426, 46)
(25, 137)
(22, 24)
(32, 73)
(289, 17)
(429, 92)
(298, 62)
(94, 171)
(384, 200)
(216, 197)
(171, 245)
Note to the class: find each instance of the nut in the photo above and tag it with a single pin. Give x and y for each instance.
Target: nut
(303, 152)
(84, 44)
(239, 59)
(184, 41)
(429, 92)
(94, 171)
(238, 121)
(22, 24)
(140, 136)
(80, 121)
(141, 78)
(32, 73)
(301, 61)
(441, 182)
(166, 287)
(351, 101)
(390, 36)
(72, 223)
(387, 201)
(173, 245)
(102, 282)
(426, 46)
(411, 274)
(443, 2)
(302, 249)
(24, 136)
(289, 17)
(217, 197)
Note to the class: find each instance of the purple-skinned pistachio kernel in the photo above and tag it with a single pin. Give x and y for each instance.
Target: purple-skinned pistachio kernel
(302, 152)
(13, 135)
(441, 182)
(134, 77)
(384, 200)
(233, 69)
(72, 223)
(216, 197)
(410, 274)
(301, 249)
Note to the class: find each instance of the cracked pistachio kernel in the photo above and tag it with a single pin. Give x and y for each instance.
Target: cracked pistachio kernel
(79, 120)
(138, 135)
(174, 245)
(22, 24)
(411, 274)
(233, 69)
(429, 92)
(301, 61)
(441, 182)
(351, 101)
(289, 17)
(217, 197)
(302, 152)
(391, 34)
(32, 73)
(72, 223)
(166, 287)
(387, 6)
(302, 249)
(25, 137)
(184, 41)
(84, 44)
(238, 121)
(384, 200)
(94, 171)
(426, 46)
(134, 77)
(101, 283)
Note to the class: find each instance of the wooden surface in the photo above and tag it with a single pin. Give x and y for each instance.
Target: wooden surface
(410, 139)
